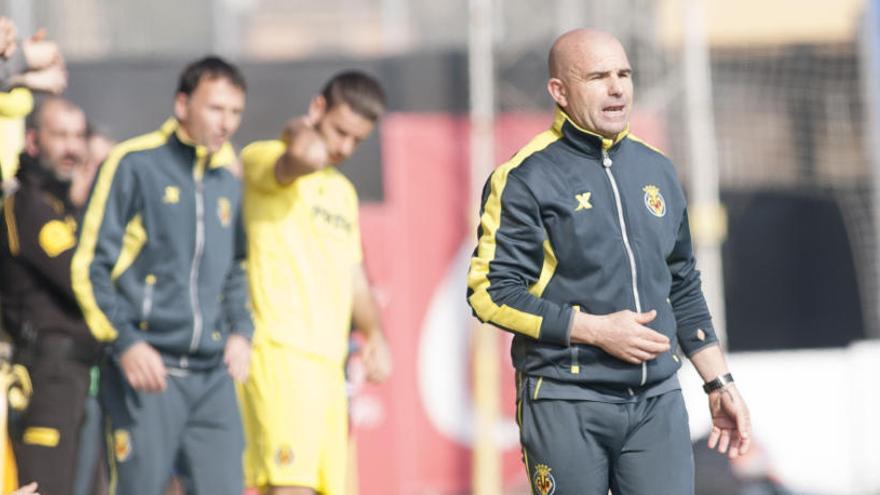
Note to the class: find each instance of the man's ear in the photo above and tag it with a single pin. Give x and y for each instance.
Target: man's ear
(556, 88)
(180, 109)
(317, 109)
(31, 146)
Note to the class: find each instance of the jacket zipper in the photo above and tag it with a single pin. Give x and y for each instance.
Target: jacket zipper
(147, 303)
(606, 164)
(198, 176)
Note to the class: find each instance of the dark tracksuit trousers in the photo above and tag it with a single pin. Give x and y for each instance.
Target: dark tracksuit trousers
(191, 429)
(577, 446)
(45, 439)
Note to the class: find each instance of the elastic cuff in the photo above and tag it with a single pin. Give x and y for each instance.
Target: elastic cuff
(556, 328)
(123, 341)
(245, 330)
(12, 67)
(691, 342)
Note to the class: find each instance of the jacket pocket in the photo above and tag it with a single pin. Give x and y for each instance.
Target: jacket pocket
(147, 301)
(575, 352)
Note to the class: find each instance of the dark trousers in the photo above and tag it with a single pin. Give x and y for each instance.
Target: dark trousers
(91, 472)
(581, 447)
(45, 438)
(192, 428)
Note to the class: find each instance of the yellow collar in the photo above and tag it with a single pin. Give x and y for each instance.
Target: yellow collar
(222, 158)
(560, 118)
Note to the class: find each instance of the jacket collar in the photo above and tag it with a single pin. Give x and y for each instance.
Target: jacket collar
(222, 158)
(32, 174)
(582, 139)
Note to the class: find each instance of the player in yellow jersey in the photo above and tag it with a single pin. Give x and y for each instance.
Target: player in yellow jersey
(309, 288)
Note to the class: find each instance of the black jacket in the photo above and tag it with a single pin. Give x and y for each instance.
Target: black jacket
(38, 232)
(161, 252)
(576, 221)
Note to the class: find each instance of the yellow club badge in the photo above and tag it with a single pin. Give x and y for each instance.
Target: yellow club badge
(56, 237)
(284, 456)
(172, 195)
(545, 483)
(224, 211)
(121, 445)
(654, 201)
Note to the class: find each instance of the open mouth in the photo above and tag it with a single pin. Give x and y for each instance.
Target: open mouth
(613, 109)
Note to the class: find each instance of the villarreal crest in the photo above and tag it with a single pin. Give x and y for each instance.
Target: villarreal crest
(544, 482)
(654, 201)
(121, 445)
(224, 211)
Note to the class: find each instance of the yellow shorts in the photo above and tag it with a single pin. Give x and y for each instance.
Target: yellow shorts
(295, 415)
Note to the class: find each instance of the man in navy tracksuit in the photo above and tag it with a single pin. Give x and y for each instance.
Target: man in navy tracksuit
(584, 253)
(158, 274)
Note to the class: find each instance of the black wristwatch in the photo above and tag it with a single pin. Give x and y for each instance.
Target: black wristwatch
(719, 382)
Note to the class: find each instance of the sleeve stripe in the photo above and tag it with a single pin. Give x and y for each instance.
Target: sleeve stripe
(132, 242)
(547, 270)
(478, 277)
(11, 226)
(97, 321)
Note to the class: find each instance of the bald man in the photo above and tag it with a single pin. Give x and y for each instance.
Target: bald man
(38, 234)
(584, 254)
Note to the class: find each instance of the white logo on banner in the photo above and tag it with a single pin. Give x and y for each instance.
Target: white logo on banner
(444, 360)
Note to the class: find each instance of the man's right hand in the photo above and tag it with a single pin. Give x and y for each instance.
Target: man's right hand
(306, 150)
(143, 368)
(41, 53)
(622, 334)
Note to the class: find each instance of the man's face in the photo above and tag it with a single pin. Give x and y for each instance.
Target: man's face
(212, 113)
(59, 144)
(343, 130)
(598, 88)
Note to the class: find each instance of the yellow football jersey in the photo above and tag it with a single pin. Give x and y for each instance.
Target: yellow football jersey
(303, 243)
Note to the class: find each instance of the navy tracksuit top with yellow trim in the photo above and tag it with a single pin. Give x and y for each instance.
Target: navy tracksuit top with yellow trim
(573, 222)
(162, 248)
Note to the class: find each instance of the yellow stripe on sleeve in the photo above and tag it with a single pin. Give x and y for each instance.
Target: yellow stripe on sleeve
(132, 242)
(11, 226)
(478, 279)
(82, 260)
(547, 270)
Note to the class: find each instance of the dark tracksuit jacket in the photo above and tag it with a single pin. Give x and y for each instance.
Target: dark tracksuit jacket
(578, 222)
(38, 232)
(161, 251)
(39, 229)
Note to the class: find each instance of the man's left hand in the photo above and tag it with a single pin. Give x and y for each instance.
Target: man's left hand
(237, 357)
(376, 358)
(731, 426)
